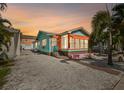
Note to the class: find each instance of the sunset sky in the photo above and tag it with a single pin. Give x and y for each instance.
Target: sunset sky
(30, 18)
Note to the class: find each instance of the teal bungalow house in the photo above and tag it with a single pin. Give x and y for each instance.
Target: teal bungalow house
(46, 42)
(72, 43)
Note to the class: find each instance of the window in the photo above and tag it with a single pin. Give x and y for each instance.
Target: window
(81, 43)
(71, 43)
(44, 42)
(77, 44)
(65, 41)
(86, 43)
(54, 42)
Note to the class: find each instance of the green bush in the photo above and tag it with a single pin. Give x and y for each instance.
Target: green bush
(3, 72)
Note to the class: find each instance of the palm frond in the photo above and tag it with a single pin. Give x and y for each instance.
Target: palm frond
(99, 23)
(3, 6)
(5, 21)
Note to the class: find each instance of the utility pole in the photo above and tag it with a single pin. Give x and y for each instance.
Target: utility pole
(110, 39)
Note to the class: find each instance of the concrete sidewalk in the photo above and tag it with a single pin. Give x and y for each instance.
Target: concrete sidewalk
(120, 84)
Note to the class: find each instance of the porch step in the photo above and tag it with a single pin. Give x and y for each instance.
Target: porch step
(60, 56)
(78, 56)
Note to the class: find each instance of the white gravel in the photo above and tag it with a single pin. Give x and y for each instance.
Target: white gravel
(38, 71)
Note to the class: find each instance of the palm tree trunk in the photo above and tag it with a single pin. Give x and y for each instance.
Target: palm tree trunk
(110, 39)
(100, 48)
(110, 49)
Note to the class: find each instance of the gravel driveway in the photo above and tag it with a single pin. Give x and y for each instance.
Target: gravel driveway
(38, 71)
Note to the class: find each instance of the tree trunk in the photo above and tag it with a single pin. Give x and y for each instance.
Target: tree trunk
(110, 50)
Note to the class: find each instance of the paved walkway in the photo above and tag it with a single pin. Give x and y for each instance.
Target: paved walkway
(120, 84)
(38, 71)
(101, 65)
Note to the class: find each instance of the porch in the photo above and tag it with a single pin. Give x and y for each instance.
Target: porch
(73, 46)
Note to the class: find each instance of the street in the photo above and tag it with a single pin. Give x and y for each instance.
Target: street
(38, 71)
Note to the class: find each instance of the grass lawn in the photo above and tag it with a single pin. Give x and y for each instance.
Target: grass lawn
(4, 70)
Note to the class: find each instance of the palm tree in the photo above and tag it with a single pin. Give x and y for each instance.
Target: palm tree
(118, 16)
(5, 36)
(118, 24)
(99, 23)
(115, 23)
(3, 7)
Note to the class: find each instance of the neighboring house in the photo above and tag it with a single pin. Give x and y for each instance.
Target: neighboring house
(72, 43)
(46, 42)
(34, 44)
(14, 48)
(27, 41)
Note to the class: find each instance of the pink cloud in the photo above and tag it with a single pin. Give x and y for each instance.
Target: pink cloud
(28, 24)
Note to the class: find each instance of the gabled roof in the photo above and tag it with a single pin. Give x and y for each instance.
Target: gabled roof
(45, 32)
(28, 37)
(75, 29)
(12, 30)
(48, 33)
(69, 31)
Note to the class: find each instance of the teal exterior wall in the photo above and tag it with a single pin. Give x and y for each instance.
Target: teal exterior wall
(54, 48)
(41, 36)
(48, 48)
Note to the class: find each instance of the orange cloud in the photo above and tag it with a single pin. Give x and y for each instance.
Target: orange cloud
(23, 20)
